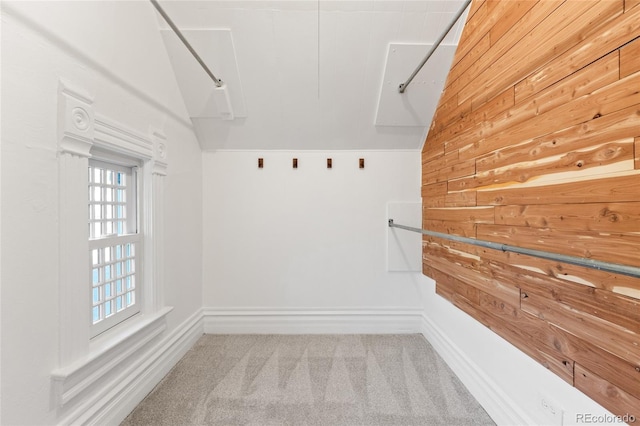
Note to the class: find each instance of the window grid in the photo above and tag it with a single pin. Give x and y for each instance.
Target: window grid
(113, 280)
(115, 245)
(107, 202)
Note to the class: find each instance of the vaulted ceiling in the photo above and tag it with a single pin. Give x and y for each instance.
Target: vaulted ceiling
(312, 74)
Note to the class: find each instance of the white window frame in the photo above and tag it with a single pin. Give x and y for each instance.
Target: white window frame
(126, 278)
(87, 363)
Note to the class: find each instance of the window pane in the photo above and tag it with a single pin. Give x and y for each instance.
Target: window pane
(113, 264)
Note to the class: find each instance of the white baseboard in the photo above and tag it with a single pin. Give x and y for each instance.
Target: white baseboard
(311, 321)
(136, 381)
(496, 403)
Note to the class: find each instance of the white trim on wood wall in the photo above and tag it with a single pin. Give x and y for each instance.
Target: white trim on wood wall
(243, 320)
(502, 409)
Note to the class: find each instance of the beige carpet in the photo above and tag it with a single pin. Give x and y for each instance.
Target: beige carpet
(310, 380)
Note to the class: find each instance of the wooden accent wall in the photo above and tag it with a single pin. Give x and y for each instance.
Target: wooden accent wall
(536, 143)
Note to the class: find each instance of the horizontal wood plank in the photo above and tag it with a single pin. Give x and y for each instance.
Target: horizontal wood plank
(501, 103)
(460, 199)
(464, 269)
(463, 229)
(615, 248)
(613, 308)
(510, 322)
(614, 97)
(578, 162)
(431, 150)
(598, 217)
(617, 32)
(468, 215)
(597, 75)
(606, 394)
(617, 340)
(476, 52)
(630, 57)
(510, 18)
(619, 125)
(447, 171)
(434, 201)
(598, 189)
(550, 38)
(529, 21)
(564, 273)
(630, 4)
(618, 371)
(472, 31)
(434, 190)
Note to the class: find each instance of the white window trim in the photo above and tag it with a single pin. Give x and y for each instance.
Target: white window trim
(82, 361)
(134, 206)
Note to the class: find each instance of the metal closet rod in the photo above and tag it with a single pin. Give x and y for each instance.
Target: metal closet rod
(404, 85)
(615, 268)
(175, 29)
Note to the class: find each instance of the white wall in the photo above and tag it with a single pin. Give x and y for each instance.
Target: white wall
(279, 238)
(114, 51)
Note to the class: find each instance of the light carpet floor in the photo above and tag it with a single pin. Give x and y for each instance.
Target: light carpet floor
(310, 380)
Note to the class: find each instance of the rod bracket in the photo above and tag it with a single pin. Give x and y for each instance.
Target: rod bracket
(402, 88)
(390, 222)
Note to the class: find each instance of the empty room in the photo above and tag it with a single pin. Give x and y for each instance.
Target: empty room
(320, 212)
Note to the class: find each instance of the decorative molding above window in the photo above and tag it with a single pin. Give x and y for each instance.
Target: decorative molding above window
(76, 120)
(115, 137)
(86, 364)
(160, 152)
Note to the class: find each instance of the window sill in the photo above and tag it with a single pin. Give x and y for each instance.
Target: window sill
(107, 352)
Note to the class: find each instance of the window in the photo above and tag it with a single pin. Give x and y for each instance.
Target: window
(115, 244)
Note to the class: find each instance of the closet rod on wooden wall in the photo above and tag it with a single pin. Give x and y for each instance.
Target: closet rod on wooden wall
(175, 29)
(615, 268)
(404, 85)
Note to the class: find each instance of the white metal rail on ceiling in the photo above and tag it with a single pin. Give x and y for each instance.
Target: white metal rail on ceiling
(218, 82)
(182, 38)
(404, 85)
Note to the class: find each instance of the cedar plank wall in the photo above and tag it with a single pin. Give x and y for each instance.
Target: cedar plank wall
(536, 143)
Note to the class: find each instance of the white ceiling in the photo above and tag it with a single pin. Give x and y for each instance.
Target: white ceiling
(310, 71)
